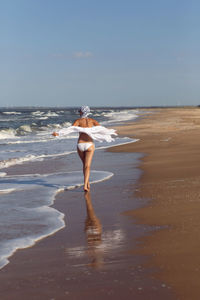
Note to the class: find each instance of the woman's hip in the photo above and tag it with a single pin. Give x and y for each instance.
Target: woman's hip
(85, 146)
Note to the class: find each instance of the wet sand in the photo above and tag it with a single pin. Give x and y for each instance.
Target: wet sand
(91, 258)
(171, 181)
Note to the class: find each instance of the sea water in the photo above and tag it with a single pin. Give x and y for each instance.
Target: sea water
(26, 215)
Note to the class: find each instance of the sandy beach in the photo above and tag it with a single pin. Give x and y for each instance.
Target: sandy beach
(93, 251)
(130, 238)
(170, 140)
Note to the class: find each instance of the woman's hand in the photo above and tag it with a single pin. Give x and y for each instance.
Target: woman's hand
(55, 133)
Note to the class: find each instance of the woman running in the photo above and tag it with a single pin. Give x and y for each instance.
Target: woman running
(89, 130)
(85, 146)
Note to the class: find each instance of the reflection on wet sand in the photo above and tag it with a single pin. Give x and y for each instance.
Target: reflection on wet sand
(100, 244)
(93, 231)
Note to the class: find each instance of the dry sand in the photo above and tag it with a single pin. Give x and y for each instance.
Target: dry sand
(170, 138)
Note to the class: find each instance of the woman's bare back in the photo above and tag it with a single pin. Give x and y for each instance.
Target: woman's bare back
(85, 122)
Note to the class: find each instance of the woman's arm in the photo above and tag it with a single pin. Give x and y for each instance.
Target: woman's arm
(95, 123)
(76, 123)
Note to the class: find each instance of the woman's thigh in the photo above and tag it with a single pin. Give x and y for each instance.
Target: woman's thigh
(88, 156)
(81, 155)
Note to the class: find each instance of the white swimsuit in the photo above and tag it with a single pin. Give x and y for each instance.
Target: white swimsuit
(84, 146)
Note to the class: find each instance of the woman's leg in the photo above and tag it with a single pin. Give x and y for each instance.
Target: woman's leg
(82, 157)
(87, 163)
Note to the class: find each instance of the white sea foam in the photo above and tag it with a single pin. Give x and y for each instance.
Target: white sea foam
(120, 116)
(96, 115)
(16, 161)
(28, 141)
(43, 118)
(26, 222)
(11, 246)
(7, 133)
(37, 113)
(6, 191)
(24, 129)
(51, 114)
(20, 160)
(3, 174)
(11, 113)
(66, 124)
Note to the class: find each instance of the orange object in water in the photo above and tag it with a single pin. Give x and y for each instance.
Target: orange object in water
(55, 134)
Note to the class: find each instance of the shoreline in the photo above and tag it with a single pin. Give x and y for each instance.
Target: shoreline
(101, 265)
(157, 254)
(170, 142)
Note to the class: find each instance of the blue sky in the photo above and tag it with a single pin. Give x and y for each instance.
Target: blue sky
(114, 53)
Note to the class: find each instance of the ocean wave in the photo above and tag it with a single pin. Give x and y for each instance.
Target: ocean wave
(120, 116)
(42, 118)
(15, 161)
(11, 113)
(42, 114)
(27, 129)
(35, 219)
(3, 174)
(7, 133)
(96, 115)
(51, 114)
(11, 133)
(40, 121)
(66, 124)
(37, 113)
(11, 246)
(23, 129)
(52, 126)
(6, 191)
(46, 137)
(30, 157)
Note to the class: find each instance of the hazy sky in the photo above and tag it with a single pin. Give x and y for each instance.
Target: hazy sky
(99, 52)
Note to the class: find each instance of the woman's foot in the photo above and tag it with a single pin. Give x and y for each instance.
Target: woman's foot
(87, 187)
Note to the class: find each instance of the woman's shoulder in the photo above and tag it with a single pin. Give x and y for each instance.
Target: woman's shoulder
(76, 122)
(86, 122)
(94, 122)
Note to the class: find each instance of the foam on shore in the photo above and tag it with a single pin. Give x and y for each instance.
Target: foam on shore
(24, 222)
